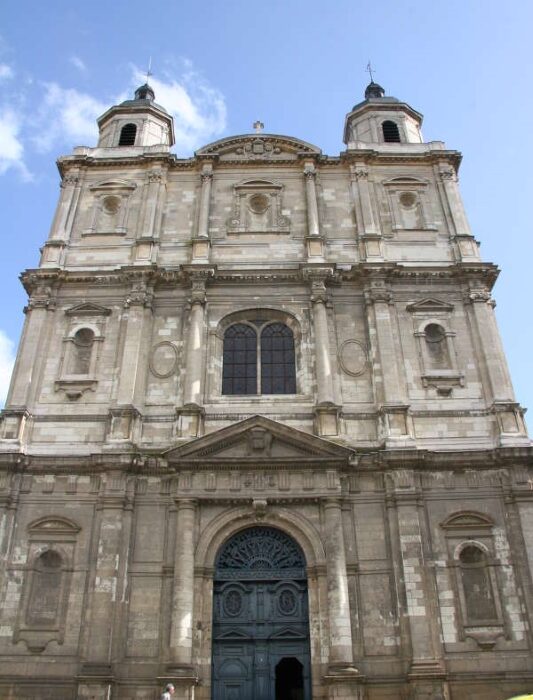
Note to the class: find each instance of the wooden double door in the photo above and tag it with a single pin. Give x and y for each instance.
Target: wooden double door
(261, 630)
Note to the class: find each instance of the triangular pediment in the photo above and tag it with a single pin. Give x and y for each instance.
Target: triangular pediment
(258, 147)
(258, 439)
(429, 304)
(233, 634)
(287, 633)
(88, 309)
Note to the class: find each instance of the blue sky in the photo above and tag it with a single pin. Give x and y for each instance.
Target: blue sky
(298, 66)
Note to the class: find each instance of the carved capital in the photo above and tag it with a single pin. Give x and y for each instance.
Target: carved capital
(359, 172)
(41, 298)
(141, 294)
(479, 294)
(155, 176)
(310, 173)
(379, 295)
(207, 176)
(448, 174)
(69, 181)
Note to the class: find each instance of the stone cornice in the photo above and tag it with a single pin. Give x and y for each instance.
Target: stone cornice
(156, 276)
(172, 162)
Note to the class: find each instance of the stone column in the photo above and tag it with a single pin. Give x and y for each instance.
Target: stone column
(183, 589)
(388, 373)
(100, 622)
(493, 365)
(369, 234)
(341, 644)
(24, 383)
(70, 192)
(139, 310)
(426, 668)
(191, 415)
(201, 244)
(326, 411)
(150, 216)
(466, 246)
(138, 307)
(315, 243)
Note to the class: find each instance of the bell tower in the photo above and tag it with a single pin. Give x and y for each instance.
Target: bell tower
(381, 120)
(137, 123)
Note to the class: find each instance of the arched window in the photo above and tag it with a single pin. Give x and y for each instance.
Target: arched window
(45, 596)
(82, 352)
(477, 586)
(270, 348)
(239, 375)
(278, 374)
(127, 135)
(437, 346)
(391, 133)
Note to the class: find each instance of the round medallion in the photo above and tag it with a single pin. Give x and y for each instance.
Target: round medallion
(164, 359)
(353, 357)
(287, 602)
(258, 203)
(232, 603)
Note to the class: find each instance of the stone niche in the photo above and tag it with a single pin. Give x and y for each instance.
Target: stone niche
(257, 206)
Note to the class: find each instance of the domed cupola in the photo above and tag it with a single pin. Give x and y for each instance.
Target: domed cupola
(381, 120)
(137, 123)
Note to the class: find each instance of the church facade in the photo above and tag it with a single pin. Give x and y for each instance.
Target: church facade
(261, 439)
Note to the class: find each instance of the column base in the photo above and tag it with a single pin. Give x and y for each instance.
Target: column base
(327, 419)
(200, 250)
(190, 421)
(315, 248)
(344, 682)
(184, 679)
(396, 426)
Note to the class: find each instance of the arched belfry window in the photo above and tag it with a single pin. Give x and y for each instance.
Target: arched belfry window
(127, 135)
(258, 358)
(391, 133)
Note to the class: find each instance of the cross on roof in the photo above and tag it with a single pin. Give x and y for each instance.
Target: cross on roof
(258, 126)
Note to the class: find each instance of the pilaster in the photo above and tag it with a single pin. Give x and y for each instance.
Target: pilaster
(201, 243)
(190, 415)
(315, 241)
(390, 383)
(371, 244)
(326, 410)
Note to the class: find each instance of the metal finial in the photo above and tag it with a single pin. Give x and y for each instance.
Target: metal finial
(258, 126)
(369, 70)
(149, 71)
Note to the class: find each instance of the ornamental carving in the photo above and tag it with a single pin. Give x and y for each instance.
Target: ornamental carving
(163, 359)
(353, 357)
(257, 208)
(260, 553)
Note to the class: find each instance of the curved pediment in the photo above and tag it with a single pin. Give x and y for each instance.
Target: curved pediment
(259, 147)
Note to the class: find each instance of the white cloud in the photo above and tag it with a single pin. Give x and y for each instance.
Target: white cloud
(7, 359)
(78, 63)
(199, 109)
(6, 72)
(11, 147)
(67, 116)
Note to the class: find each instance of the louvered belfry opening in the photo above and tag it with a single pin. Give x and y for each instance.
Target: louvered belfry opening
(391, 133)
(127, 135)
